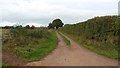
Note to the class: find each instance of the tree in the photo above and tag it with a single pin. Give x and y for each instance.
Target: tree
(27, 26)
(7, 27)
(32, 27)
(50, 26)
(19, 26)
(57, 23)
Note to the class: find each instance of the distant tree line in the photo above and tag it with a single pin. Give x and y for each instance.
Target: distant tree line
(19, 26)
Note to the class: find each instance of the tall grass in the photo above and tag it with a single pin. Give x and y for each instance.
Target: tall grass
(30, 44)
(65, 39)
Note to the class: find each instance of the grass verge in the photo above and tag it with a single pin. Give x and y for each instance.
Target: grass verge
(101, 48)
(46, 46)
(65, 39)
(4, 65)
(35, 50)
(105, 50)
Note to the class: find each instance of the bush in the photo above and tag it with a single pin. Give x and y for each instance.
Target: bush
(23, 37)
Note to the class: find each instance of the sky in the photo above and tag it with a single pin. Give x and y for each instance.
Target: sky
(42, 12)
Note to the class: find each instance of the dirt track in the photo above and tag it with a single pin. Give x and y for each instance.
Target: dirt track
(74, 56)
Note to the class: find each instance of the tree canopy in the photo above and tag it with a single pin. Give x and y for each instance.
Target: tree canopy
(50, 26)
(56, 24)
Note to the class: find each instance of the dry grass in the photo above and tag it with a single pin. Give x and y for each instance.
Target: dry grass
(32, 45)
(0, 33)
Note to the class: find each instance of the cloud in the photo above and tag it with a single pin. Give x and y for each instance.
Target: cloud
(7, 23)
(44, 11)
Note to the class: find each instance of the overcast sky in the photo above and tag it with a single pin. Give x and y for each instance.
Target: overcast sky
(42, 12)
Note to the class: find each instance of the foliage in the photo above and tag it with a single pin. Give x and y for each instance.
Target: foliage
(27, 26)
(7, 27)
(50, 26)
(31, 44)
(32, 27)
(56, 24)
(96, 31)
(18, 26)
